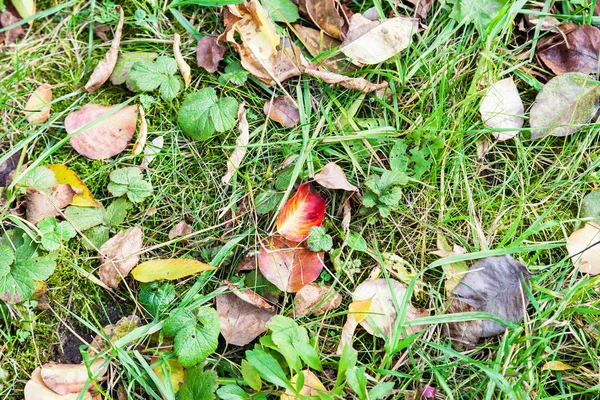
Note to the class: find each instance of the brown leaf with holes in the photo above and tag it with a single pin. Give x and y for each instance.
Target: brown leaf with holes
(282, 110)
(37, 108)
(332, 176)
(105, 67)
(209, 53)
(8, 17)
(241, 322)
(64, 379)
(328, 15)
(119, 255)
(182, 228)
(40, 205)
(316, 300)
(359, 84)
(108, 135)
(579, 53)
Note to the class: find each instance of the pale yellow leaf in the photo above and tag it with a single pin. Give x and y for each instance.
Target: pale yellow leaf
(37, 108)
(184, 68)
(584, 249)
(556, 366)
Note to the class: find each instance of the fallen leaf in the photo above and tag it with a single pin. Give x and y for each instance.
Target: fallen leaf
(119, 255)
(328, 15)
(241, 322)
(184, 68)
(171, 269)
(111, 333)
(40, 205)
(565, 104)
(556, 366)
(359, 84)
(105, 67)
(65, 175)
(332, 176)
(312, 386)
(152, 150)
(317, 42)
(316, 300)
(7, 168)
(578, 53)
(493, 285)
(249, 296)
(25, 8)
(453, 272)
(371, 42)
(590, 205)
(422, 7)
(71, 378)
(182, 228)
(37, 108)
(108, 135)
(289, 265)
(168, 370)
(139, 146)
(236, 157)
(502, 109)
(282, 110)
(584, 249)
(202, 113)
(100, 31)
(36, 389)
(300, 213)
(125, 62)
(209, 53)
(9, 17)
(356, 313)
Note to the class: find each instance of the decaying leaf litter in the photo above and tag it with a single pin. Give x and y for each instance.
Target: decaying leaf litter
(301, 248)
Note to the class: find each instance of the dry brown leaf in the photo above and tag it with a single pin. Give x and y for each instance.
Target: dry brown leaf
(317, 42)
(70, 378)
(36, 389)
(282, 110)
(453, 272)
(139, 146)
(100, 31)
(241, 322)
(236, 157)
(209, 53)
(119, 255)
(372, 42)
(8, 17)
(249, 296)
(106, 138)
(105, 67)
(328, 15)
(359, 84)
(40, 205)
(314, 297)
(422, 7)
(182, 228)
(7, 168)
(184, 68)
(579, 53)
(502, 109)
(37, 108)
(584, 250)
(332, 176)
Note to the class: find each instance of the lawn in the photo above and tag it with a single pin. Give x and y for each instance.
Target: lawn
(453, 184)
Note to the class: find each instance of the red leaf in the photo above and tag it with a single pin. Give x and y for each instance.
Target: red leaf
(289, 265)
(303, 211)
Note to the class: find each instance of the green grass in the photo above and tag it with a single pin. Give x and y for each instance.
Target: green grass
(520, 198)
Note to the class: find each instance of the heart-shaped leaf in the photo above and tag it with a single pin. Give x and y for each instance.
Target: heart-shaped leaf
(303, 211)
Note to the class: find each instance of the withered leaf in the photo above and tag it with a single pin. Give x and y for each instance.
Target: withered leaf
(502, 109)
(113, 332)
(584, 249)
(209, 53)
(282, 110)
(184, 68)
(140, 144)
(236, 157)
(328, 15)
(249, 296)
(105, 67)
(332, 176)
(317, 299)
(119, 255)
(359, 84)
(70, 378)
(7, 167)
(37, 108)
(422, 7)
(124, 63)
(40, 205)
(108, 135)
(241, 322)
(36, 389)
(8, 17)
(317, 42)
(182, 228)
(493, 285)
(579, 53)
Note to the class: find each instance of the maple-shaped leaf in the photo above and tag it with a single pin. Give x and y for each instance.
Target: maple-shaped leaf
(303, 211)
(204, 112)
(147, 76)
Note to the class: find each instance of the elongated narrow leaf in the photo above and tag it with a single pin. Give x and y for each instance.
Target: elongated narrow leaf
(174, 268)
(303, 211)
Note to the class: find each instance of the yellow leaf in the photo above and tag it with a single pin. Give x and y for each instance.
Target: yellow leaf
(556, 366)
(174, 268)
(360, 309)
(312, 386)
(174, 373)
(65, 175)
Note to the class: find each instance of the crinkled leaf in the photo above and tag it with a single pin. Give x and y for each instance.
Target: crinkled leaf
(209, 52)
(146, 76)
(319, 240)
(241, 322)
(129, 181)
(156, 297)
(84, 218)
(65, 175)
(578, 52)
(203, 112)
(119, 255)
(54, 233)
(198, 384)
(178, 320)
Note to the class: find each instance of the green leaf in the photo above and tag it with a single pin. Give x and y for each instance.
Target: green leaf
(198, 384)
(357, 380)
(309, 355)
(381, 390)
(178, 320)
(347, 361)
(205, 3)
(41, 178)
(392, 178)
(116, 212)
(268, 368)
(590, 207)
(194, 344)
(293, 342)
(392, 196)
(53, 233)
(369, 200)
(232, 392)
(156, 297)
(203, 113)
(267, 201)
(357, 242)
(84, 218)
(565, 104)
(251, 376)
(234, 73)
(146, 76)
(284, 178)
(7, 257)
(98, 235)
(281, 10)
(479, 12)
(319, 240)
(125, 63)
(129, 181)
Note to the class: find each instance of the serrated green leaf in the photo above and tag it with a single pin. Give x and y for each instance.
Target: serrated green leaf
(479, 12)
(7, 257)
(84, 218)
(193, 344)
(251, 376)
(357, 380)
(281, 10)
(54, 233)
(203, 113)
(232, 392)
(267, 201)
(125, 63)
(116, 212)
(319, 240)
(391, 196)
(129, 181)
(268, 368)
(178, 320)
(98, 235)
(156, 297)
(146, 76)
(369, 200)
(234, 73)
(198, 384)
(170, 88)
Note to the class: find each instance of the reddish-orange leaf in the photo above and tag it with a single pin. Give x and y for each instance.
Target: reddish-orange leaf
(289, 265)
(303, 211)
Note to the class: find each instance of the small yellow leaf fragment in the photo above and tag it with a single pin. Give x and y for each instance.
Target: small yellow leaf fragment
(171, 269)
(556, 366)
(184, 68)
(65, 175)
(312, 386)
(360, 309)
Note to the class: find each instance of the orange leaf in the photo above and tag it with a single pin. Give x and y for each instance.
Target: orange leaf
(65, 175)
(289, 265)
(303, 211)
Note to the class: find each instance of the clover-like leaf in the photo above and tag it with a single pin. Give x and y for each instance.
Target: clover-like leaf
(319, 240)
(204, 113)
(234, 73)
(147, 76)
(54, 233)
(129, 181)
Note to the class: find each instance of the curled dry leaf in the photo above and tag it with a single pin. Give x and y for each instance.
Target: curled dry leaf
(289, 265)
(312, 386)
(584, 249)
(139, 146)
(578, 53)
(282, 110)
(316, 300)
(453, 272)
(184, 68)
(565, 104)
(37, 108)
(119, 255)
(493, 285)
(65, 175)
(316, 42)
(71, 378)
(36, 389)
(8, 17)
(300, 213)
(249, 296)
(105, 68)
(236, 157)
(332, 176)
(182, 228)
(328, 15)
(503, 109)
(108, 135)
(359, 84)
(241, 322)
(209, 53)
(40, 205)
(372, 42)
(171, 269)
